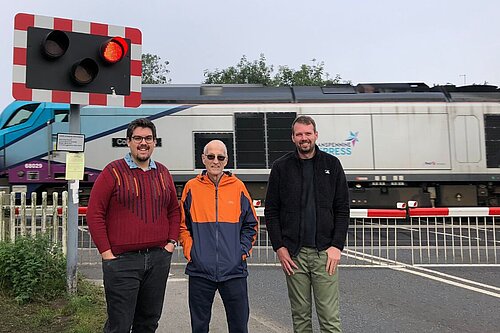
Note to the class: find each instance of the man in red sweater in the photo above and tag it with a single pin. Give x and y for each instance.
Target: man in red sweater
(133, 218)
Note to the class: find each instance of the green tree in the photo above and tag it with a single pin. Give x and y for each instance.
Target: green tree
(259, 72)
(154, 70)
(306, 75)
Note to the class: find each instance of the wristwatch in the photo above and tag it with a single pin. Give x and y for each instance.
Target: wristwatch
(171, 241)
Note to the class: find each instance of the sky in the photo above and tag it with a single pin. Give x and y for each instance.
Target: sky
(430, 41)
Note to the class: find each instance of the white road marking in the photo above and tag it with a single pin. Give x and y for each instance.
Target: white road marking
(427, 273)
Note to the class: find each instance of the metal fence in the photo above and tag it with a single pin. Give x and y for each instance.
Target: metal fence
(413, 237)
(423, 240)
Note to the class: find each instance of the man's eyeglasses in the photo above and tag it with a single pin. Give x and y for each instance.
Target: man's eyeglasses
(138, 138)
(212, 157)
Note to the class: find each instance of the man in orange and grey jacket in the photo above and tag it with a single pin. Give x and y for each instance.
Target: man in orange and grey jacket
(218, 229)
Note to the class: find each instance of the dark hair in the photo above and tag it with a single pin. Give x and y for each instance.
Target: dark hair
(141, 122)
(304, 120)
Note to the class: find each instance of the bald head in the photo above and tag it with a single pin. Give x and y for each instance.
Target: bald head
(216, 144)
(215, 159)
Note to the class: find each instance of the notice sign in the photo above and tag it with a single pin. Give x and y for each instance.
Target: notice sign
(75, 165)
(70, 142)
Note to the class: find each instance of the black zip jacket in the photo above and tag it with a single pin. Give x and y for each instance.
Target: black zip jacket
(282, 206)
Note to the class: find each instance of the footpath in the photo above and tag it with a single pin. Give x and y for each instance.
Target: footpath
(175, 317)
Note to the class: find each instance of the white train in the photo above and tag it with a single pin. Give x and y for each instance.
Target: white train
(439, 146)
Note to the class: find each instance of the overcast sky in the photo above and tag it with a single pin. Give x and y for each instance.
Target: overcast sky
(430, 41)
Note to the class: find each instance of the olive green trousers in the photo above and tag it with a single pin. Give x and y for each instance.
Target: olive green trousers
(311, 275)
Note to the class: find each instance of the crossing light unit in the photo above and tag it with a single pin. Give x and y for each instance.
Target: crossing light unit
(76, 62)
(73, 61)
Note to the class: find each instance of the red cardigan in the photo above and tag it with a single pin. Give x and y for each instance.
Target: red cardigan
(132, 209)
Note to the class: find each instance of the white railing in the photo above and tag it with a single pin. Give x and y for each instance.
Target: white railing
(20, 218)
(420, 236)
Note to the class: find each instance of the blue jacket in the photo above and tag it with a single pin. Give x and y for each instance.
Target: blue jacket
(218, 227)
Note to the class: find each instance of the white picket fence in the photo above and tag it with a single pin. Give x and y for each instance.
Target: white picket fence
(20, 218)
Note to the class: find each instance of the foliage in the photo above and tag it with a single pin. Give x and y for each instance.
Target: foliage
(32, 269)
(87, 309)
(154, 70)
(259, 72)
(307, 75)
(84, 312)
(256, 72)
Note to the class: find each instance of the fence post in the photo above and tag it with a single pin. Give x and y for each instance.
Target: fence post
(44, 212)
(13, 217)
(33, 214)
(409, 221)
(55, 217)
(22, 213)
(64, 222)
(2, 218)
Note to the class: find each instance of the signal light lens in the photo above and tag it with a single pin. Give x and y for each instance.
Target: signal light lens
(55, 44)
(84, 71)
(114, 49)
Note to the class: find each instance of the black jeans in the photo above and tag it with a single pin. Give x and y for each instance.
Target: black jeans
(234, 295)
(135, 284)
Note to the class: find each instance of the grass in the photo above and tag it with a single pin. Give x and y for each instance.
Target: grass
(82, 313)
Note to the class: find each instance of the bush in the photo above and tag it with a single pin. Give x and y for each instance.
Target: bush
(32, 269)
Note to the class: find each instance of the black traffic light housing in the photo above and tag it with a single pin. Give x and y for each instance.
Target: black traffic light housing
(72, 61)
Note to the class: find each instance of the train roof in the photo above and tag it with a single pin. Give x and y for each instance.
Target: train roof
(341, 93)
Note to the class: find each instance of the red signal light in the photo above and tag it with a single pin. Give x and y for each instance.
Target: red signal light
(113, 50)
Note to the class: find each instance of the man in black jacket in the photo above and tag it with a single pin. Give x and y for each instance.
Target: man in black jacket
(307, 217)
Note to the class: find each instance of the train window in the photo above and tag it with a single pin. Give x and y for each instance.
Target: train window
(200, 141)
(492, 136)
(279, 140)
(250, 140)
(261, 138)
(61, 116)
(21, 115)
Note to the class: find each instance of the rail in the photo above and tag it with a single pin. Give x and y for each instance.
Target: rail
(376, 237)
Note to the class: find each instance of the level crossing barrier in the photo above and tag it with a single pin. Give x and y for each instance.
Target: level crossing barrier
(376, 237)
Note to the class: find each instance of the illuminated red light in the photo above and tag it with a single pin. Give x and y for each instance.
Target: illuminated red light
(114, 49)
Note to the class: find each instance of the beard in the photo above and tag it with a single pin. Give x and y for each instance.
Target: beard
(142, 156)
(305, 149)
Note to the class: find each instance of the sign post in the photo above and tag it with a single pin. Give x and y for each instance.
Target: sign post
(73, 186)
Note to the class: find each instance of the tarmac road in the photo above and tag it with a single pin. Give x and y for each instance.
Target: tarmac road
(398, 299)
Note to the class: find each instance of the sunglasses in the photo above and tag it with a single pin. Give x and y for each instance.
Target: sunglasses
(212, 157)
(138, 138)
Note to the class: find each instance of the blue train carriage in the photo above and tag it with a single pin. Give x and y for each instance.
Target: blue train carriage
(439, 146)
(29, 160)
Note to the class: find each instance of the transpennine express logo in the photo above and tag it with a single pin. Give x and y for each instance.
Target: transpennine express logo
(344, 148)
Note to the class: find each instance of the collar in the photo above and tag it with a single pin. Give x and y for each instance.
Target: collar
(203, 176)
(316, 153)
(132, 165)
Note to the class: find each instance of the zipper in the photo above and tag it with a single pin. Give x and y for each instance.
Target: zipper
(217, 231)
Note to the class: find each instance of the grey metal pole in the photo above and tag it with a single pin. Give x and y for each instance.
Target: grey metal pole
(72, 239)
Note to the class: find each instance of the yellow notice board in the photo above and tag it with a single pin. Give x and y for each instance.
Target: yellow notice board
(75, 164)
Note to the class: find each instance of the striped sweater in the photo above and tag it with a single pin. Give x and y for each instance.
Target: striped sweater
(131, 209)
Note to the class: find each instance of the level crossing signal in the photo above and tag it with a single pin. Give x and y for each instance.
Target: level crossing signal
(74, 61)
(61, 60)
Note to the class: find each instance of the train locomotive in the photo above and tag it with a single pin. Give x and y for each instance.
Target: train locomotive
(438, 145)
